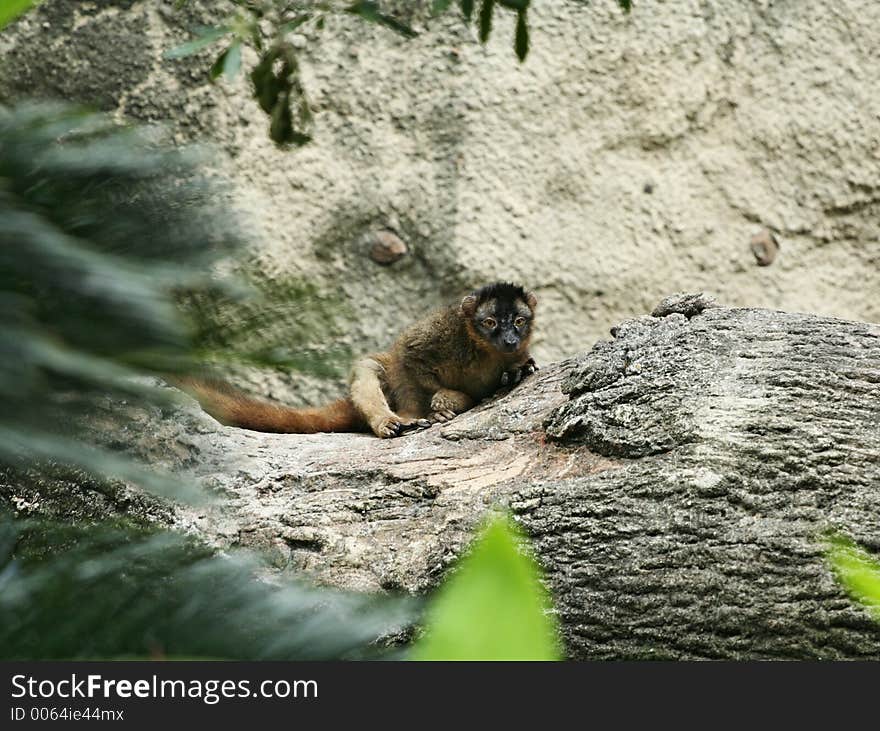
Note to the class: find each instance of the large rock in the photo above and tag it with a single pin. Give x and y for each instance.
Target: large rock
(679, 484)
(631, 155)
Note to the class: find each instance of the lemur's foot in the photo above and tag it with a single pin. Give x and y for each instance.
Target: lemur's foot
(515, 375)
(446, 403)
(395, 426)
(441, 416)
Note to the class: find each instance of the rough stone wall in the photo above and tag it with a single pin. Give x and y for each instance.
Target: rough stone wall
(628, 157)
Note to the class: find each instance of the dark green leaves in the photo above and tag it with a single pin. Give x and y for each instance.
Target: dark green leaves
(487, 14)
(625, 4)
(204, 37)
(493, 607)
(276, 81)
(115, 592)
(521, 40)
(282, 324)
(369, 10)
(487, 8)
(280, 93)
(100, 226)
(518, 5)
(440, 6)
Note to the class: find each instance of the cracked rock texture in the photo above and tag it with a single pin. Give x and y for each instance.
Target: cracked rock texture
(630, 156)
(678, 483)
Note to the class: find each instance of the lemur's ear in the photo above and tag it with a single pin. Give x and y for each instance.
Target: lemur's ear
(469, 306)
(531, 300)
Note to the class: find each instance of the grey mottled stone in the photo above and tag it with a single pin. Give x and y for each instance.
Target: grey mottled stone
(678, 483)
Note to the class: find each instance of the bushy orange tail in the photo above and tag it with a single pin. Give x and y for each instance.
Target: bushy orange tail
(232, 408)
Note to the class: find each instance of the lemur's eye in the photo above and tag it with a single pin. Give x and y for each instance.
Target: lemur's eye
(489, 323)
(519, 322)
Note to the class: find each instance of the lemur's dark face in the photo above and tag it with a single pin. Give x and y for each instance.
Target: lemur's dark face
(501, 318)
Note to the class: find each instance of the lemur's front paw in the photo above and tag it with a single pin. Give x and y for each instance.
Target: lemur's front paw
(393, 426)
(515, 375)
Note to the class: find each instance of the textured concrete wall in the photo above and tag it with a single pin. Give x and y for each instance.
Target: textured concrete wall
(630, 156)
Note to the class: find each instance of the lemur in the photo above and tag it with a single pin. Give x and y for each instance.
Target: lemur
(438, 367)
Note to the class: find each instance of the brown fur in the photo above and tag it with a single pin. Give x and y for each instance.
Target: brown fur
(438, 367)
(235, 409)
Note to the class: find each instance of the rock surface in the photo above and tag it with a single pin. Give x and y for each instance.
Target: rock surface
(678, 483)
(630, 156)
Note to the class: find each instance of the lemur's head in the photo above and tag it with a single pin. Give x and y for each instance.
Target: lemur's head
(500, 315)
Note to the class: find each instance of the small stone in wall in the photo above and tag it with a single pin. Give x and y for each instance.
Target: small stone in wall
(387, 247)
(765, 247)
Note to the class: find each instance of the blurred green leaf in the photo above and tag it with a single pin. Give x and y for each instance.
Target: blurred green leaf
(625, 4)
(32, 447)
(292, 25)
(110, 591)
(467, 9)
(521, 40)
(233, 61)
(493, 606)
(487, 8)
(228, 63)
(11, 9)
(87, 298)
(440, 6)
(369, 10)
(281, 323)
(204, 38)
(857, 571)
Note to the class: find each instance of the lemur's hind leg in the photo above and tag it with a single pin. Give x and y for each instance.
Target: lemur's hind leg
(369, 399)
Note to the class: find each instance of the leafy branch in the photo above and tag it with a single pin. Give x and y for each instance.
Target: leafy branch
(266, 27)
(100, 228)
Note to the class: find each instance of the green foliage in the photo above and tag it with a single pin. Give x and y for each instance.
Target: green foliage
(281, 95)
(857, 572)
(487, 10)
(441, 6)
(493, 607)
(228, 63)
(272, 326)
(264, 25)
(204, 37)
(100, 227)
(370, 11)
(111, 591)
(11, 9)
(102, 231)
